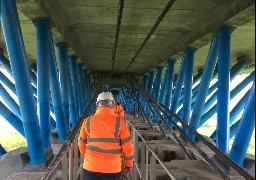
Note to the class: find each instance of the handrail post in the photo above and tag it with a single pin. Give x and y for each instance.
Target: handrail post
(135, 144)
(142, 162)
(75, 160)
(71, 162)
(147, 155)
(64, 168)
(152, 168)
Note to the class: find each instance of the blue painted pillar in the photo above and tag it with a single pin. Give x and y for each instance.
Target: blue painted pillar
(234, 113)
(2, 150)
(150, 81)
(178, 86)
(81, 87)
(233, 73)
(145, 88)
(169, 85)
(43, 87)
(5, 62)
(87, 93)
(204, 85)
(84, 87)
(163, 85)
(12, 105)
(188, 82)
(233, 128)
(63, 73)
(12, 119)
(149, 88)
(143, 85)
(9, 102)
(157, 82)
(124, 99)
(244, 134)
(18, 60)
(233, 93)
(223, 89)
(242, 85)
(56, 92)
(74, 78)
(72, 107)
(4, 80)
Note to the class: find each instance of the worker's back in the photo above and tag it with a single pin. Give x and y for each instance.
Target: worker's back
(103, 139)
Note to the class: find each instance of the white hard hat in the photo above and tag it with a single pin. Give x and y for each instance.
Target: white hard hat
(105, 96)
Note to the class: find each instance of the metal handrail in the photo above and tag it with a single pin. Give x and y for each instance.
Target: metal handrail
(153, 153)
(67, 143)
(221, 155)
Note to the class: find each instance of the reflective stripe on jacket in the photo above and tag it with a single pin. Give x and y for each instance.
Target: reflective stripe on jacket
(103, 139)
(119, 111)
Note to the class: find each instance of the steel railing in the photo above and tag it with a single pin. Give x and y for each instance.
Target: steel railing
(67, 158)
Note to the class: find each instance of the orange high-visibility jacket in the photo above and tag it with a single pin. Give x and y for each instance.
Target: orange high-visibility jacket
(103, 139)
(119, 110)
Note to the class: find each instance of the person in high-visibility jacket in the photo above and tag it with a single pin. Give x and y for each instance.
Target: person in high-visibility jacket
(119, 110)
(104, 138)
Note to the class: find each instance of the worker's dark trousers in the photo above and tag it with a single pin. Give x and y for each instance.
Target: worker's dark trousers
(89, 175)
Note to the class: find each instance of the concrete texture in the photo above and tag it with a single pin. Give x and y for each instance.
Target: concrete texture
(89, 28)
(171, 153)
(14, 165)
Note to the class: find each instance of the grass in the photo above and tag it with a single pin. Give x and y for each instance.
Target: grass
(209, 129)
(11, 140)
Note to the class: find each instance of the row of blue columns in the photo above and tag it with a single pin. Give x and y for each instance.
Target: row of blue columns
(194, 99)
(63, 96)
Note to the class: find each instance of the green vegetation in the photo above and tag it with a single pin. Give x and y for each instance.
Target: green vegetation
(11, 140)
(209, 129)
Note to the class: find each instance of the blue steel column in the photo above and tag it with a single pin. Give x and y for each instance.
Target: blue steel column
(5, 63)
(86, 94)
(18, 60)
(233, 93)
(124, 100)
(2, 150)
(233, 73)
(204, 85)
(169, 81)
(144, 84)
(149, 85)
(149, 88)
(80, 80)
(4, 80)
(234, 113)
(84, 87)
(12, 105)
(189, 55)
(74, 78)
(72, 107)
(11, 118)
(43, 89)
(63, 73)
(244, 134)
(157, 82)
(178, 86)
(223, 89)
(56, 91)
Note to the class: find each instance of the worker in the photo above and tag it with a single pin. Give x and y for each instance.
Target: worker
(118, 108)
(104, 138)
